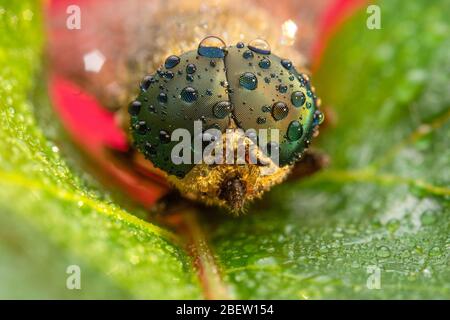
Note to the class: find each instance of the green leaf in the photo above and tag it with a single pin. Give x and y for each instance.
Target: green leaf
(50, 219)
(382, 205)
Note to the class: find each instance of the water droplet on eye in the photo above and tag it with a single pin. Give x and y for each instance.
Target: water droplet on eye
(141, 127)
(189, 94)
(287, 64)
(282, 88)
(209, 92)
(146, 82)
(247, 54)
(264, 63)
(212, 63)
(171, 62)
(134, 108)
(318, 117)
(240, 45)
(294, 131)
(191, 68)
(168, 75)
(298, 98)
(212, 47)
(248, 80)
(261, 120)
(162, 97)
(189, 78)
(279, 111)
(222, 109)
(149, 149)
(266, 108)
(259, 46)
(164, 136)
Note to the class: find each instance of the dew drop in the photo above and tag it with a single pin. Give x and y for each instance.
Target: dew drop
(240, 45)
(171, 62)
(212, 47)
(294, 131)
(191, 68)
(189, 94)
(146, 82)
(318, 117)
(222, 109)
(298, 98)
(162, 97)
(141, 127)
(164, 136)
(264, 63)
(282, 88)
(261, 120)
(266, 108)
(259, 46)
(189, 78)
(168, 75)
(279, 111)
(134, 108)
(248, 80)
(149, 148)
(247, 54)
(287, 64)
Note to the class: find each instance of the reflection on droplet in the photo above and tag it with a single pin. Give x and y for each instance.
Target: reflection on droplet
(191, 68)
(248, 80)
(319, 117)
(259, 46)
(162, 97)
(189, 94)
(212, 47)
(279, 111)
(247, 54)
(134, 108)
(287, 64)
(298, 98)
(164, 136)
(222, 109)
(294, 131)
(171, 61)
(264, 63)
(141, 127)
